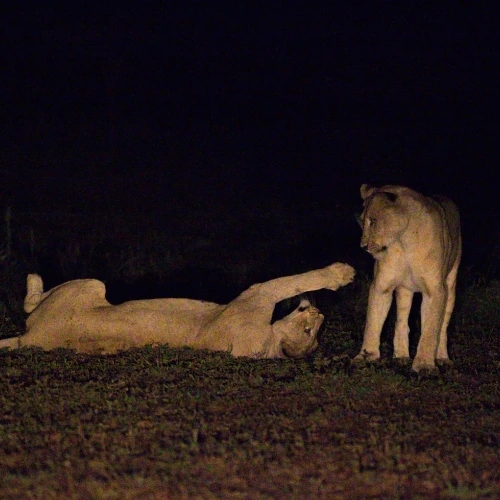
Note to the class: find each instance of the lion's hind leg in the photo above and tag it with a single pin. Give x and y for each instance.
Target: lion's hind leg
(432, 313)
(34, 293)
(442, 350)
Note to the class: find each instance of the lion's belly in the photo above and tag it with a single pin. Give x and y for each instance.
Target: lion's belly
(112, 328)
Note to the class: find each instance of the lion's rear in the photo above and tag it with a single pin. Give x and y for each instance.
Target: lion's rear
(451, 223)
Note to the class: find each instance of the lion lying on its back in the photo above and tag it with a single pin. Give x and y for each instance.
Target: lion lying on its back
(77, 315)
(415, 241)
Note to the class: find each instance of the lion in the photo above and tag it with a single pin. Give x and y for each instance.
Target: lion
(76, 315)
(416, 243)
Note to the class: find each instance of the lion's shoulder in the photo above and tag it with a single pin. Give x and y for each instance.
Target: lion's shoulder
(414, 204)
(427, 227)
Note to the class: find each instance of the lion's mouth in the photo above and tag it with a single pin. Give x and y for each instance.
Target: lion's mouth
(376, 250)
(301, 348)
(299, 352)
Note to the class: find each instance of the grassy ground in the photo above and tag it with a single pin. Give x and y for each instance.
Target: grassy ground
(159, 423)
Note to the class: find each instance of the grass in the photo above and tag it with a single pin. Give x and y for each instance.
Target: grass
(158, 423)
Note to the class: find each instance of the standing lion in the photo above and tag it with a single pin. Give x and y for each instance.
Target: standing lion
(416, 243)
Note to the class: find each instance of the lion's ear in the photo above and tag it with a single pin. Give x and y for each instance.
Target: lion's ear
(366, 191)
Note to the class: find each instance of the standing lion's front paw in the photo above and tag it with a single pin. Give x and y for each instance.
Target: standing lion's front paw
(423, 365)
(365, 356)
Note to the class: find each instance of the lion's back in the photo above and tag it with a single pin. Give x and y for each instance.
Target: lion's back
(438, 228)
(449, 231)
(450, 214)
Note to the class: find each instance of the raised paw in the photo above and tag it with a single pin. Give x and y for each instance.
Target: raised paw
(340, 274)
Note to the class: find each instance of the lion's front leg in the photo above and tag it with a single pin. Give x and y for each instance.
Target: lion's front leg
(379, 303)
(404, 299)
(331, 277)
(432, 315)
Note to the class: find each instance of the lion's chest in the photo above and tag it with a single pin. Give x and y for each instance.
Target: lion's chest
(412, 282)
(397, 269)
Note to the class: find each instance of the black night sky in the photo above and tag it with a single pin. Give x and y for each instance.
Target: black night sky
(224, 105)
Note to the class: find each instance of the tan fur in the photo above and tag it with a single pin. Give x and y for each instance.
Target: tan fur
(77, 315)
(416, 243)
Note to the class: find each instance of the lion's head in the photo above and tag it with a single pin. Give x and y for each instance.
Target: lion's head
(383, 220)
(298, 330)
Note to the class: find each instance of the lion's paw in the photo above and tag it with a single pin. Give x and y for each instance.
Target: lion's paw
(365, 356)
(422, 365)
(340, 275)
(445, 366)
(444, 362)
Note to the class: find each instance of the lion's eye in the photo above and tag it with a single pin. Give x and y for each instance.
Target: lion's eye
(308, 330)
(372, 222)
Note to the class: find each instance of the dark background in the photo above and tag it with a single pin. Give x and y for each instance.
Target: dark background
(279, 109)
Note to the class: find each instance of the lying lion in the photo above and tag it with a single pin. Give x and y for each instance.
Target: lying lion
(77, 315)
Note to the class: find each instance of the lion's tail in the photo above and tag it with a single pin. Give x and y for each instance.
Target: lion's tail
(34, 293)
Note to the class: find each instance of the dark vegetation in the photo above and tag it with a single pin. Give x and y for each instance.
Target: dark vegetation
(180, 114)
(158, 423)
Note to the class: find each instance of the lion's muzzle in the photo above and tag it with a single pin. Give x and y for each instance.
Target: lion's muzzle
(372, 247)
